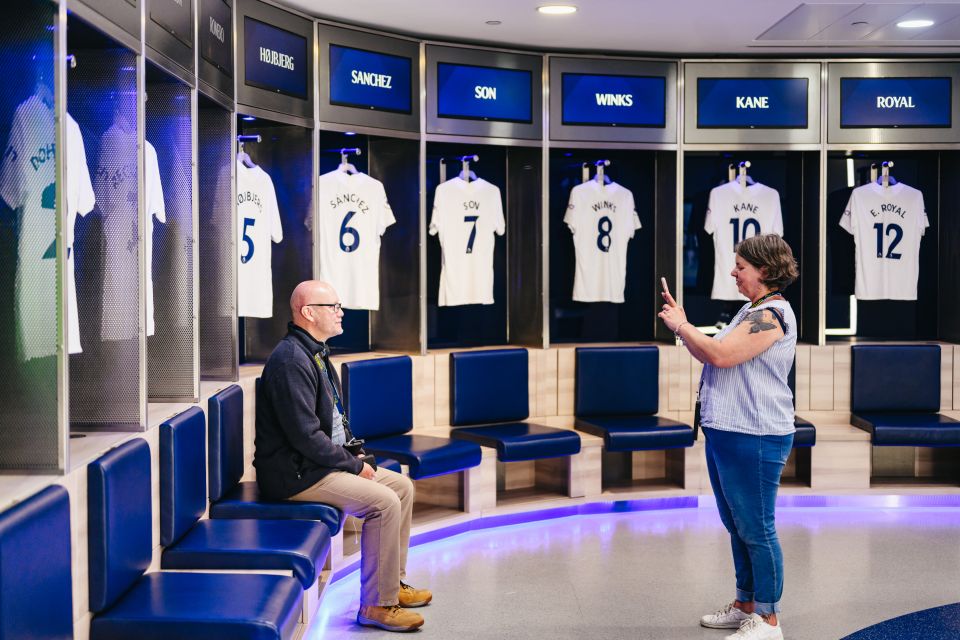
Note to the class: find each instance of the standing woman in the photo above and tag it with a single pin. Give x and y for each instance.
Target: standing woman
(747, 415)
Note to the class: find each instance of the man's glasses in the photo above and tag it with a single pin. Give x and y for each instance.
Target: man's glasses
(336, 305)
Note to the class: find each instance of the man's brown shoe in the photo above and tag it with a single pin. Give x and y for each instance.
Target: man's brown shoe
(389, 618)
(410, 597)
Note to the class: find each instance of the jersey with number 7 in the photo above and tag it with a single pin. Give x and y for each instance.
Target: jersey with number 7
(466, 215)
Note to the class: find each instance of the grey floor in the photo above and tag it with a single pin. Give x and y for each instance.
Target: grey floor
(652, 574)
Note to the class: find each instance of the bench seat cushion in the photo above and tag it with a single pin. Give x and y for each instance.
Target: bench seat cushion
(806, 434)
(427, 455)
(300, 546)
(243, 502)
(516, 441)
(637, 433)
(203, 606)
(388, 463)
(909, 429)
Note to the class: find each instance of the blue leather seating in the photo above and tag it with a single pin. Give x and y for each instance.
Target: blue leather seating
(895, 396)
(232, 499)
(36, 591)
(300, 546)
(806, 432)
(489, 389)
(378, 399)
(616, 396)
(158, 606)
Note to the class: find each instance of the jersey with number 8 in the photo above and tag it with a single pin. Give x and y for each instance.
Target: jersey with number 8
(258, 223)
(466, 215)
(887, 225)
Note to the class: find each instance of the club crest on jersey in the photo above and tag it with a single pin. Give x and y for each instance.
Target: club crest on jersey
(889, 208)
(350, 198)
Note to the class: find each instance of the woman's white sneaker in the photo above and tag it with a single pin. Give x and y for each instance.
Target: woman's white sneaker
(727, 618)
(756, 628)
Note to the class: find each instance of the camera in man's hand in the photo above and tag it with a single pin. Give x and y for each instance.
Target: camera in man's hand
(354, 446)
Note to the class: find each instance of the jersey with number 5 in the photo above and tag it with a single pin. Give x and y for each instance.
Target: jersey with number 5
(735, 213)
(354, 213)
(602, 219)
(466, 216)
(887, 225)
(258, 224)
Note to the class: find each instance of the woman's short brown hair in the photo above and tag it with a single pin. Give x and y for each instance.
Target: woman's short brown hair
(773, 256)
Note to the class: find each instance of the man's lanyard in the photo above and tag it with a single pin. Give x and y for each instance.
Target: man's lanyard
(333, 385)
(763, 299)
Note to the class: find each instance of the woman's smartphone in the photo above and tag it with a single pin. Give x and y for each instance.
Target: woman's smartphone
(663, 283)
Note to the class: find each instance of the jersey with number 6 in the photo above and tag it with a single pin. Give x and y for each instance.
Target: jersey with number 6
(28, 184)
(466, 215)
(602, 219)
(258, 223)
(887, 225)
(354, 213)
(735, 213)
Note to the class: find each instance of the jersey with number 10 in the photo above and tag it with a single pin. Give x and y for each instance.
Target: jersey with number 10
(354, 213)
(466, 215)
(887, 225)
(734, 214)
(258, 223)
(603, 220)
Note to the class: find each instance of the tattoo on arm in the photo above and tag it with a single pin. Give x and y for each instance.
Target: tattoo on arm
(760, 320)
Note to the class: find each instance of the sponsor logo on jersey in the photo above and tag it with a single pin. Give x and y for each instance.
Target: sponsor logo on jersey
(895, 102)
(370, 79)
(614, 99)
(352, 199)
(753, 102)
(249, 196)
(276, 59)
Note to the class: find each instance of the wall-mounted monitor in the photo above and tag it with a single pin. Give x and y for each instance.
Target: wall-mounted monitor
(752, 103)
(274, 59)
(896, 102)
(175, 17)
(216, 35)
(591, 99)
(472, 92)
(370, 80)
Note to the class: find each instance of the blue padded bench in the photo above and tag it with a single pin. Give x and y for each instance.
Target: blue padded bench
(158, 606)
(616, 396)
(298, 546)
(806, 434)
(489, 389)
(36, 590)
(232, 499)
(378, 399)
(895, 396)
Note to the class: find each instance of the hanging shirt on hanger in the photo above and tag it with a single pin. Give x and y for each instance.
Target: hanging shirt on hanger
(258, 223)
(354, 213)
(887, 225)
(735, 213)
(28, 183)
(602, 219)
(153, 197)
(466, 215)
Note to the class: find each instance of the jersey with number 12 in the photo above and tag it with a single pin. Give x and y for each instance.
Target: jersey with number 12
(735, 213)
(466, 215)
(258, 224)
(354, 213)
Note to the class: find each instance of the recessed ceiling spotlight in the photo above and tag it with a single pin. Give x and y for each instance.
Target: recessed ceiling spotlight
(249, 118)
(557, 9)
(349, 133)
(915, 24)
(493, 23)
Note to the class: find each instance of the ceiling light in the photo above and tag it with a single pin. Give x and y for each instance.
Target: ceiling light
(493, 23)
(915, 24)
(349, 133)
(859, 23)
(557, 9)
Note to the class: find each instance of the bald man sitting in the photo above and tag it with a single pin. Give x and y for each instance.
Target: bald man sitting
(300, 455)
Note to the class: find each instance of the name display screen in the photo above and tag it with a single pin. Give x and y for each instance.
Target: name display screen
(216, 34)
(175, 17)
(370, 80)
(472, 92)
(895, 102)
(752, 103)
(274, 59)
(613, 101)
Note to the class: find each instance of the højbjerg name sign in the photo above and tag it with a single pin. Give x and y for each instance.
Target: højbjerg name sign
(274, 59)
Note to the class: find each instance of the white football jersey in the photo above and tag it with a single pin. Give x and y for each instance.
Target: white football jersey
(153, 197)
(735, 213)
(602, 219)
(258, 224)
(354, 213)
(466, 215)
(28, 184)
(887, 225)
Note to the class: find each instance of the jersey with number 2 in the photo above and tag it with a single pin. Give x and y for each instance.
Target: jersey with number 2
(258, 225)
(466, 217)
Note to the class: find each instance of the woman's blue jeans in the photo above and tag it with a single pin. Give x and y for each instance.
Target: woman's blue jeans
(745, 475)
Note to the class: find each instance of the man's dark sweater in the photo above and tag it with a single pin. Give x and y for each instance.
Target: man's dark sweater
(295, 405)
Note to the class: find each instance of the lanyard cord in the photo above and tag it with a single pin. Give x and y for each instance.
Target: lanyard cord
(763, 299)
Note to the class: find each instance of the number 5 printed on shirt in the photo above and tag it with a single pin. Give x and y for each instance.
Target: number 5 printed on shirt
(247, 240)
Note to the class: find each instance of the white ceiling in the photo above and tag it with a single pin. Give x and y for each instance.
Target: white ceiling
(696, 27)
